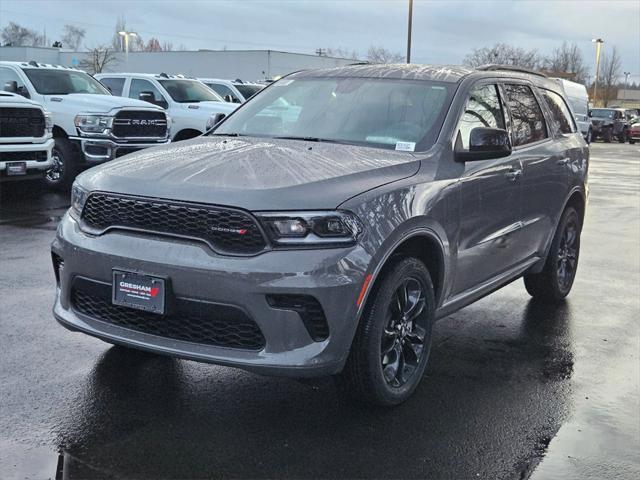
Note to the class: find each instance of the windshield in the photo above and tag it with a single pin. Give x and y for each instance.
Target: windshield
(387, 113)
(247, 91)
(189, 91)
(63, 82)
(602, 113)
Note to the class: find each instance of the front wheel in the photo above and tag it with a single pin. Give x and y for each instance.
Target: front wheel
(589, 138)
(391, 348)
(556, 279)
(632, 141)
(622, 138)
(61, 174)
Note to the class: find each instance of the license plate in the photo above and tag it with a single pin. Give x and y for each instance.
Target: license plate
(16, 168)
(136, 290)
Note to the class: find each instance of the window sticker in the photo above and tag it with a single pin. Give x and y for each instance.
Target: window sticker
(406, 146)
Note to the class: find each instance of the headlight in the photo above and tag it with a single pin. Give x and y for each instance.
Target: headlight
(48, 123)
(78, 199)
(334, 228)
(93, 123)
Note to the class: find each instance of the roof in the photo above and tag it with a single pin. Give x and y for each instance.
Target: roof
(157, 76)
(441, 73)
(46, 66)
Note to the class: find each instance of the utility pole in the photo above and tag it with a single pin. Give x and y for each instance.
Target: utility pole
(409, 31)
(598, 42)
(624, 93)
(321, 52)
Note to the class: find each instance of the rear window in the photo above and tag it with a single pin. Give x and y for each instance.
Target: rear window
(562, 119)
(526, 116)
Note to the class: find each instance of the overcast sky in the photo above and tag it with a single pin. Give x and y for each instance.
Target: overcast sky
(444, 31)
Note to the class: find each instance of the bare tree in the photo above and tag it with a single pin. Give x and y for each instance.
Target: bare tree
(503, 54)
(153, 45)
(98, 59)
(16, 35)
(610, 71)
(72, 36)
(341, 52)
(567, 59)
(167, 46)
(382, 55)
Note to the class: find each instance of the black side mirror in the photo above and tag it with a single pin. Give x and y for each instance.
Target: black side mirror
(485, 144)
(228, 98)
(590, 114)
(11, 86)
(147, 97)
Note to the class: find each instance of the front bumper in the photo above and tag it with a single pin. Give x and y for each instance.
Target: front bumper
(332, 276)
(33, 166)
(99, 150)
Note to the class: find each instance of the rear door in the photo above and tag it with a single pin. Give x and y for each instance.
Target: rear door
(490, 206)
(545, 159)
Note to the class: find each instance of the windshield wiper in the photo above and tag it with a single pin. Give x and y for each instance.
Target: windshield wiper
(307, 139)
(228, 134)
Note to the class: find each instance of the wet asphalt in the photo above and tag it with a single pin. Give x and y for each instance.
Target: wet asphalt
(513, 389)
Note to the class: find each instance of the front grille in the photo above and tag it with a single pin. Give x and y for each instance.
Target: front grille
(309, 309)
(40, 156)
(189, 320)
(21, 122)
(139, 124)
(227, 231)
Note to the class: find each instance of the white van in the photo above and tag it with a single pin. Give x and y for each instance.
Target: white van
(579, 102)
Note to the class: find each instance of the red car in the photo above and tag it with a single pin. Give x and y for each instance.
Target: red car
(633, 133)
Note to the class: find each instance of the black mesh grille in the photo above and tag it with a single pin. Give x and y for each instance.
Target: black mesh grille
(308, 308)
(40, 156)
(226, 231)
(21, 122)
(189, 320)
(140, 124)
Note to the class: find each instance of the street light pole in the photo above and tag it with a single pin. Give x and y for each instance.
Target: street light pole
(624, 93)
(598, 42)
(126, 36)
(409, 31)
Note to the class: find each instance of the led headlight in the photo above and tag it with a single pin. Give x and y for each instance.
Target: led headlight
(333, 228)
(93, 123)
(78, 198)
(48, 123)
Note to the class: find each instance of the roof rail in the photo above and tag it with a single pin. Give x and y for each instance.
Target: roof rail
(492, 67)
(33, 63)
(163, 75)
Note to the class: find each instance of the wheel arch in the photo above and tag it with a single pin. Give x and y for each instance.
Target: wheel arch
(186, 133)
(59, 132)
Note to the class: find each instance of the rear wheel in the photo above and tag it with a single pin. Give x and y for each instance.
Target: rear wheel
(622, 138)
(632, 141)
(589, 138)
(61, 174)
(392, 344)
(556, 279)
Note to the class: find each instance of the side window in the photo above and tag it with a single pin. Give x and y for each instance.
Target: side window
(8, 75)
(563, 122)
(483, 110)
(222, 90)
(526, 115)
(138, 85)
(115, 85)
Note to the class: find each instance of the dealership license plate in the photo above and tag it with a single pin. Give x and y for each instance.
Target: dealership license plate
(16, 168)
(136, 290)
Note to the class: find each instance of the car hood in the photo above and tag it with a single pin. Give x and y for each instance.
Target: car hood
(91, 103)
(252, 173)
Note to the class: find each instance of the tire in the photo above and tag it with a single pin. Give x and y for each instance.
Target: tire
(65, 168)
(554, 283)
(607, 135)
(386, 379)
(632, 141)
(622, 138)
(589, 138)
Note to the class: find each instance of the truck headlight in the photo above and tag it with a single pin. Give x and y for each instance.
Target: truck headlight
(307, 229)
(48, 123)
(78, 198)
(93, 123)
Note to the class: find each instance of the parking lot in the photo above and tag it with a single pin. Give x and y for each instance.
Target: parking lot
(513, 389)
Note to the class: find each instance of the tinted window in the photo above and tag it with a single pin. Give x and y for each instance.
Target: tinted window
(483, 110)
(247, 91)
(189, 91)
(388, 113)
(114, 84)
(63, 82)
(8, 75)
(526, 116)
(602, 113)
(222, 90)
(138, 86)
(559, 111)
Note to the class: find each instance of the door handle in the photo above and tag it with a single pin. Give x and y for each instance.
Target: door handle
(564, 161)
(513, 174)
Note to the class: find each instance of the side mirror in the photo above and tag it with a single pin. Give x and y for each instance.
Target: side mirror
(11, 86)
(215, 120)
(147, 97)
(228, 98)
(485, 144)
(590, 114)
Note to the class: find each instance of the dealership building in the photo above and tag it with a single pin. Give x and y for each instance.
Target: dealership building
(247, 65)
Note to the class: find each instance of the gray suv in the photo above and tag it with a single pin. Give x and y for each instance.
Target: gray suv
(325, 225)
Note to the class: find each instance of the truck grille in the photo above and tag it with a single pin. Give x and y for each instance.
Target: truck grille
(23, 156)
(226, 231)
(21, 122)
(139, 124)
(189, 320)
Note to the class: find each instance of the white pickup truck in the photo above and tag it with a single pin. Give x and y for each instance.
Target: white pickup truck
(89, 124)
(190, 104)
(25, 138)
